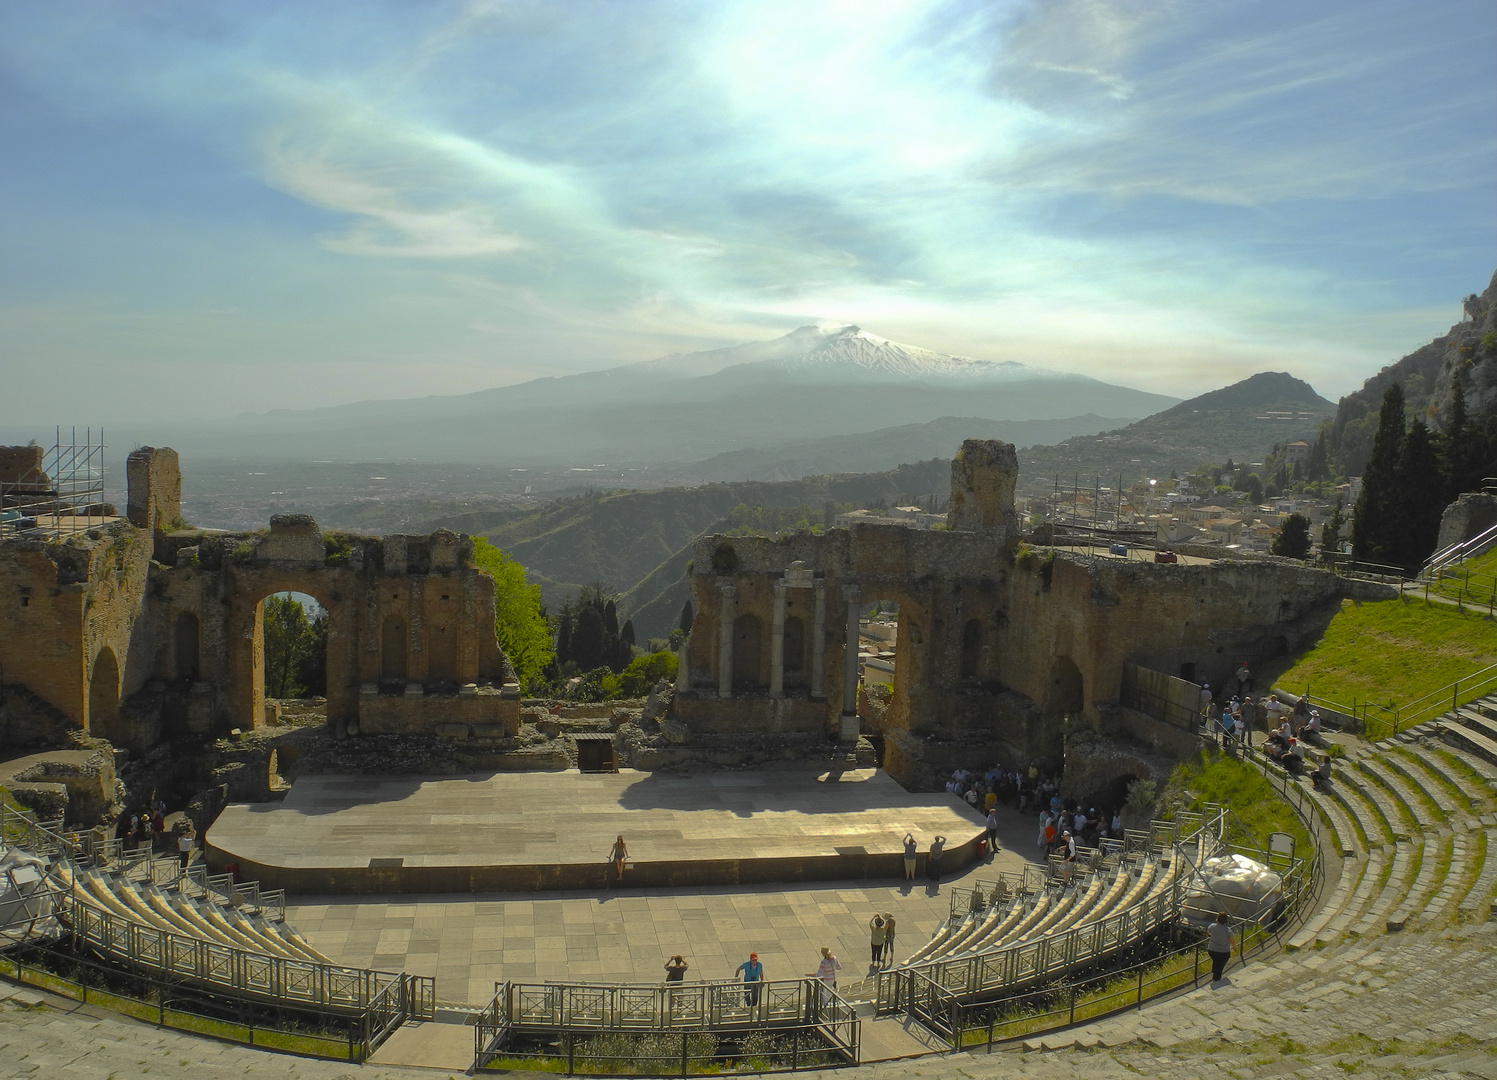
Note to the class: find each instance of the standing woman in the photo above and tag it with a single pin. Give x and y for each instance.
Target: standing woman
(1219, 946)
(826, 971)
(876, 936)
(619, 856)
(888, 938)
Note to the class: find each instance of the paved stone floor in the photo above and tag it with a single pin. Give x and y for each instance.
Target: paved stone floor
(469, 942)
(566, 818)
(1398, 1005)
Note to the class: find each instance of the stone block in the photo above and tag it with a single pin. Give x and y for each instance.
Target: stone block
(452, 731)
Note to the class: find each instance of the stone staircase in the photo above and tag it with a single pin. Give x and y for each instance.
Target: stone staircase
(1414, 818)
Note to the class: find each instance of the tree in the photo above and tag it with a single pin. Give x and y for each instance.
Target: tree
(1330, 535)
(1293, 541)
(520, 624)
(688, 616)
(643, 672)
(1374, 534)
(1421, 494)
(626, 639)
(290, 640)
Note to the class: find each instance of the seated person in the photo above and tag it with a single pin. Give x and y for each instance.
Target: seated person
(1311, 731)
(1294, 758)
(1276, 747)
(1321, 777)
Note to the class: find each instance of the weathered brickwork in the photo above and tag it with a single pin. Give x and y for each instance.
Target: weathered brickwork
(1001, 650)
(135, 633)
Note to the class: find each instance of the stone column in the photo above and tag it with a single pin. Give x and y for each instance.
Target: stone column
(818, 645)
(777, 644)
(725, 640)
(851, 596)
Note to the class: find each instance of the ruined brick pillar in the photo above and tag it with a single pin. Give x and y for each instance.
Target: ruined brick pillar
(155, 487)
(777, 643)
(983, 475)
(851, 595)
(818, 645)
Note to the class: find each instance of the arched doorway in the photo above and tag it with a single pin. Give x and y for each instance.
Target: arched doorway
(392, 650)
(972, 650)
(104, 698)
(186, 648)
(794, 653)
(748, 649)
(441, 644)
(291, 647)
(1066, 692)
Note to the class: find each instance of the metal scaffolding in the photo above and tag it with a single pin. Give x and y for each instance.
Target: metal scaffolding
(60, 495)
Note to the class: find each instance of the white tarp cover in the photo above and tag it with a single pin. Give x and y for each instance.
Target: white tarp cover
(20, 876)
(1244, 889)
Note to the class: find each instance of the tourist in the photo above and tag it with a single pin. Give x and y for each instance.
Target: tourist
(826, 972)
(1321, 777)
(1311, 731)
(1205, 703)
(675, 969)
(876, 937)
(1247, 717)
(184, 846)
(910, 849)
(1244, 679)
(1219, 946)
(1045, 830)
(933, 859)
(619, 856)
(992, 827)
(1273, 711)
(888, 957)
(753, 975)
(1068, 842)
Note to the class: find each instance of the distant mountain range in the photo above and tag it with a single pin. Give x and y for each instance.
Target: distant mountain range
(813, 383)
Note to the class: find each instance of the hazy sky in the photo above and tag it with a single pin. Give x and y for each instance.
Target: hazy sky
(207, 208)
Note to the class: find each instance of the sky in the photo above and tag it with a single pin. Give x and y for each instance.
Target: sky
(212, 208)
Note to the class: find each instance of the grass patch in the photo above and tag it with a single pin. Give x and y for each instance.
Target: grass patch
(1391, 653)
(1211, 777)
(1473, 581)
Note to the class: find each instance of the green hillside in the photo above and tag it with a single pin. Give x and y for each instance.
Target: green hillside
(622, 538)
(1392, 653)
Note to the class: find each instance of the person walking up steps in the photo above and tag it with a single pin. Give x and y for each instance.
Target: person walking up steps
(1219, 946)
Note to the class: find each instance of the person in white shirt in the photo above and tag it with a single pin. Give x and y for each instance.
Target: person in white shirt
(827, 970)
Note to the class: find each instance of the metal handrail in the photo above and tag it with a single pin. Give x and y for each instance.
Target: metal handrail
(1412, 713)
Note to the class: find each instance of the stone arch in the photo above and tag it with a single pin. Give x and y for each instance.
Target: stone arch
(104, 698)
(393, 648)
(972, 649)
(794, 651)
(186, 647)
(748, 652)
(441, 650)
(1067, 691)
(247, 630)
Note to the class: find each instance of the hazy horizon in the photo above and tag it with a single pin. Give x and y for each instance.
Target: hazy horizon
(217, 209)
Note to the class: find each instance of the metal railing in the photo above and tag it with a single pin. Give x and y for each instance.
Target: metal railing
(1349, 567)
(1006, 969)
(218, 968)
(1399, 716)
(1460, 551)
(794, 1007)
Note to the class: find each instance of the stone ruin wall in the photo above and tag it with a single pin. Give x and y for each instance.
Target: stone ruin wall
(136, 634)
(1003, 652)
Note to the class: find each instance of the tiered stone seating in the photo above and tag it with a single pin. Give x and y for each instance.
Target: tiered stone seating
(188, 910)
(1474, 728)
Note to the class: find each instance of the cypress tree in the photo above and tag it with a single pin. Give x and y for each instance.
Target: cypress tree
(688, 616)
(1330, 536)
(1418, 487)
(1375, 531)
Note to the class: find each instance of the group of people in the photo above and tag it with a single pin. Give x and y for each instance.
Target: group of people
(1238, 716)
(751, 971)
(147, 829)
(881, 938)
(1019, 788)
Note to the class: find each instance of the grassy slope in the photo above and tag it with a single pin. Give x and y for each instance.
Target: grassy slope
(1393, 652)
(1212, 778)
(1473, 581)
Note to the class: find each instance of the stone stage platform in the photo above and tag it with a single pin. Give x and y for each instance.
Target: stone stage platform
(509, 832)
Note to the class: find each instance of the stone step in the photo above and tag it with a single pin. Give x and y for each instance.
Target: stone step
(1476, 720)
(1392, 818)
(1346, 884)
(1475, 796)
(1478, 904)
(1483, 768)
(1424, 884)
(1367, 883)
(1392, 893)
(1406, 798)
(1343, 832)
(1359, 810)
(1446, 796)
(1472, 741)
(1453, 885)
